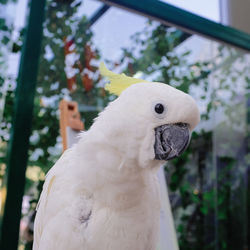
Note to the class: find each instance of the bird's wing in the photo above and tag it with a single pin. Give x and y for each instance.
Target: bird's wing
(58, 205)
(41, 207)
(168, 239)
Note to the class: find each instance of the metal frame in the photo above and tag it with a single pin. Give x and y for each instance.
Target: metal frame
(21, 127)
(186, 21)
(102, 10)
(24, 99)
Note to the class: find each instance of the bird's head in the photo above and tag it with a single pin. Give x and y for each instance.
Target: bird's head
(149, 121)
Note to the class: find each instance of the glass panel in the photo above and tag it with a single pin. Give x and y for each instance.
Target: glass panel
(208, 185)
(230, 102)
(227, 12)
(208, 9)
(211, 182)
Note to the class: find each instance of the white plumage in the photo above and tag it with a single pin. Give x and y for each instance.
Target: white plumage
(103, 194)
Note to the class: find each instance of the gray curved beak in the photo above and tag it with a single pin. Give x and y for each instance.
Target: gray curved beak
(171, 140)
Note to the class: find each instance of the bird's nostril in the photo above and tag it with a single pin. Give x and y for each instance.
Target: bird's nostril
(182, 124)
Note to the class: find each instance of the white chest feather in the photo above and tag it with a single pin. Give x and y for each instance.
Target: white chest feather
(92, 209)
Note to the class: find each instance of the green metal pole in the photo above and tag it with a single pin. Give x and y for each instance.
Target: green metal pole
(21, 127)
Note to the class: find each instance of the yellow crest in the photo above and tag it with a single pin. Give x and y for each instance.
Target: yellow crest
(118, 82)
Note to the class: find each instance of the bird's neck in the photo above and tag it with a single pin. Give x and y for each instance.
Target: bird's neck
(127, 189)
(115, 180)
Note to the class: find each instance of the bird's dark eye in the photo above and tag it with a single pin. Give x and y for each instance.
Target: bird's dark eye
(159, 108)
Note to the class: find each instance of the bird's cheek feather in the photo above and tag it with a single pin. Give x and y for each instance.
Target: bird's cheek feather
(146, 153)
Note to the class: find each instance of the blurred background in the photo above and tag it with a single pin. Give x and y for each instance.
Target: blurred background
(209, 184)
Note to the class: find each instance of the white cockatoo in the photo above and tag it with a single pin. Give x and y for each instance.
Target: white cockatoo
(103, 193)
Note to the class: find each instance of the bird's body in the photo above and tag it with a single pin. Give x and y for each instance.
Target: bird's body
(125, 204)
(103, 193)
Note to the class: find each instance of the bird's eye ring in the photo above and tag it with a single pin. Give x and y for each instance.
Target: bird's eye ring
(159, 108)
